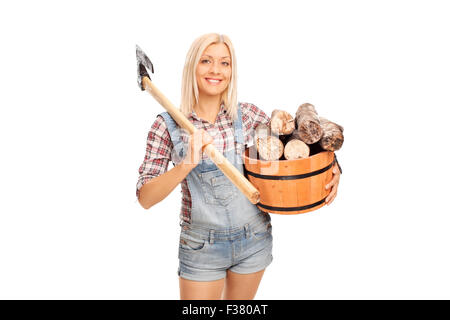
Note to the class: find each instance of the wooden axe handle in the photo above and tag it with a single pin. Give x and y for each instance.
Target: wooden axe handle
(221, 162)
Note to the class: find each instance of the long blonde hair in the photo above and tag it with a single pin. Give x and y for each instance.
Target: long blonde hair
(189, 88)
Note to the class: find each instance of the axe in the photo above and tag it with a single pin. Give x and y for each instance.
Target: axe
(143, 65)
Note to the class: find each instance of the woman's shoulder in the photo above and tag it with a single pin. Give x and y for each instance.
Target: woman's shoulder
(248, 107)
(159, 131)
(159, 124)
(252, 112)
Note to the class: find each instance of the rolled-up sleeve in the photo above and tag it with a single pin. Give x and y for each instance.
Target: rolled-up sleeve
(157, 153)
(252, 116)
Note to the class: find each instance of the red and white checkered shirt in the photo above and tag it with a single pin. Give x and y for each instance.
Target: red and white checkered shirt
(159, 145)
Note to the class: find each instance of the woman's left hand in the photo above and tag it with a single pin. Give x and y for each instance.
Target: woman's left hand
(334, 183)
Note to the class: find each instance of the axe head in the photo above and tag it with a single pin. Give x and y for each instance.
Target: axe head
(143, 66)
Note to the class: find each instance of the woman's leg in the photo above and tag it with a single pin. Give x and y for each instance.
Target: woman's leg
(201, 290)
(242, 286)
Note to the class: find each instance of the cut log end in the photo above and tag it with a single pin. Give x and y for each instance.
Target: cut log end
(281, 122)
(333, 137)
(296, 149)
(310, 131)
(308, 123)
(332, 143)
(269, 148)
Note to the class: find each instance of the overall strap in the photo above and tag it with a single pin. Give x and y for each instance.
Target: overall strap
(171, 127)
(237, 124)
(179, 148)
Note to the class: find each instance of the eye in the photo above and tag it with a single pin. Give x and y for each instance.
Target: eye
(203, 61)
(226, 63)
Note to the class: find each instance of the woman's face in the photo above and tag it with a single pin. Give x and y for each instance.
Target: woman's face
(214, 69)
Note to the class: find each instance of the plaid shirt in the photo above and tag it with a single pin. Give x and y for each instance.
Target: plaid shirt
(159, 145)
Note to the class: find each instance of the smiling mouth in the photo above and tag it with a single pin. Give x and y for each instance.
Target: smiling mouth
(213, 81)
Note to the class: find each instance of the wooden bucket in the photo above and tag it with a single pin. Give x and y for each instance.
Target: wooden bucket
(291, 186)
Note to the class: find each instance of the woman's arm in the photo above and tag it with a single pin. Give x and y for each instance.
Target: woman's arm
(160, 187)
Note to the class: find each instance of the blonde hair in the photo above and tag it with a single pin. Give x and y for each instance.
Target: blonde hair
(189, 88)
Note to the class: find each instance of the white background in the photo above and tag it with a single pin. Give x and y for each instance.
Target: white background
(74, 126)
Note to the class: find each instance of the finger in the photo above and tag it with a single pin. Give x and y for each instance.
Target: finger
(206, 138)
(330, 184)
(335, 177)
(334, 197)
(332, 191)
(330, 197)
(333, 182)
(330, 201)
(335, 169)
(330, 194)
(197, 146)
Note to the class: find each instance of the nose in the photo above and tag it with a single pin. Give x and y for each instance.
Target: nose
(215, 67)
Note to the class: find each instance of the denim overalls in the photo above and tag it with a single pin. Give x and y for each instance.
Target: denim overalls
(226, 230)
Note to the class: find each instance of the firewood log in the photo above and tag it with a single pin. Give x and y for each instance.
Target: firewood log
(261, 131)
(308, 123)
(269, 147)
(295, 149)
(281, 122)
(333, 136)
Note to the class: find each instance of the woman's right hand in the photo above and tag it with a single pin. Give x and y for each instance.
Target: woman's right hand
(197, 142)
(159, 187)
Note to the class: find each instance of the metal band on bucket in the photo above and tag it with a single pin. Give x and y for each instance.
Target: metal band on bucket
(292, 177)
(309, 206)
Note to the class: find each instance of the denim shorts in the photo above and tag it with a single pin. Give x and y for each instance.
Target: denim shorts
(206, 254)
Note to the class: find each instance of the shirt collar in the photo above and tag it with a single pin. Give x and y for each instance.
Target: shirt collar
(222, 110)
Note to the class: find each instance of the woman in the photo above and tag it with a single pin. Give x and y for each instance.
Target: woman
(225, 240)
